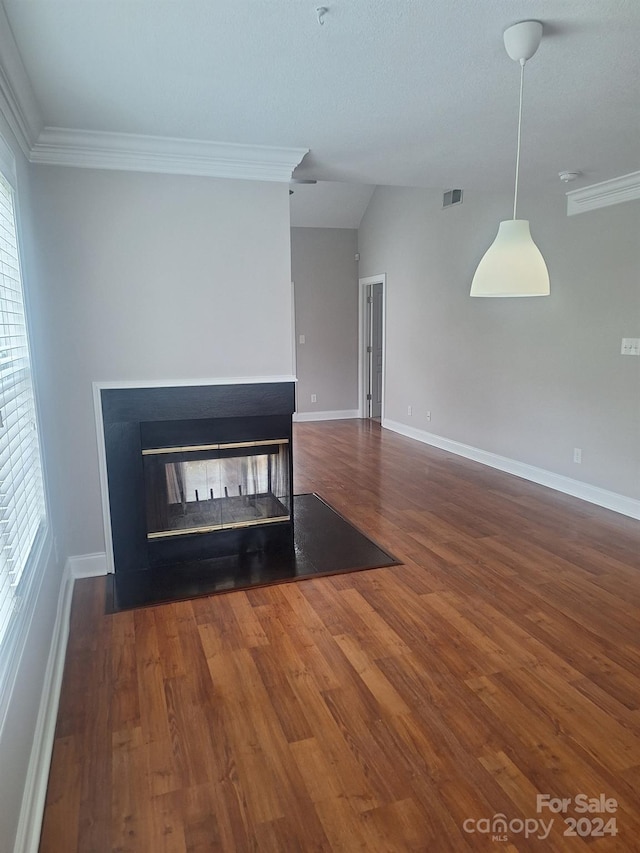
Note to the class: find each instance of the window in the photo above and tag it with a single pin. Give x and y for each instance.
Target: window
(22, 505)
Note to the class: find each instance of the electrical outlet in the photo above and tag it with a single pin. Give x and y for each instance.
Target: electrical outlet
(314, 398)
(428, 416)
(577, 455)
(409, 410)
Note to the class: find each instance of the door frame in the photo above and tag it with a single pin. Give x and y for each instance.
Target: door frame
(294, 342)
(363, 283)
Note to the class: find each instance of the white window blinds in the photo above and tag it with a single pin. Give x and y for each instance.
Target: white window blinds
(22, 507)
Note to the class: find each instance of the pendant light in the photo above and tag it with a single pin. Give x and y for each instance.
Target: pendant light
(513, 265)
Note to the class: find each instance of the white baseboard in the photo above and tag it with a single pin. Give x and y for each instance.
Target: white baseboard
(340, 415)
(35, 789)
(586, 492)
(88, 565)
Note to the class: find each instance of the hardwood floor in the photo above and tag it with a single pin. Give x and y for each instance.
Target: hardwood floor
(375, 711)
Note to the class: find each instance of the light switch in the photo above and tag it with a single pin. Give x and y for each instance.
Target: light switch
(630, 346)
(301, 339)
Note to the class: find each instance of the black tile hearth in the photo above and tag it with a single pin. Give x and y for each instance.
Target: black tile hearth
(324, 543)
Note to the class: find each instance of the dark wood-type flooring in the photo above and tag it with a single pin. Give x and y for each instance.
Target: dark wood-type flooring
(375, 711)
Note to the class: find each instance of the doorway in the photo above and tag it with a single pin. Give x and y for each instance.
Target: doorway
(371, 348)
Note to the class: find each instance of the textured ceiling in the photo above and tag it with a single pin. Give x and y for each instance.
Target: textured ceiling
(414, 92)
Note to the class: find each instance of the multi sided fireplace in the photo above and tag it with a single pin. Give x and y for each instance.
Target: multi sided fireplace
(208, 487)
(197, 472)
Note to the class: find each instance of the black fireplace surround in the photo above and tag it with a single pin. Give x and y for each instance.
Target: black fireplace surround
(197, 471)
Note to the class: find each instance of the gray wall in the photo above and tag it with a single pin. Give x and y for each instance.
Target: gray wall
(17, 726)
(153, 277)
(529, 379)
(325, 276)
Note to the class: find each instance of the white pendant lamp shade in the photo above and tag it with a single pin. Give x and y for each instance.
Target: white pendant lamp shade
(512, 265)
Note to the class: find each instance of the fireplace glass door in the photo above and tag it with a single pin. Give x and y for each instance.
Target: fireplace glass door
(202, 488)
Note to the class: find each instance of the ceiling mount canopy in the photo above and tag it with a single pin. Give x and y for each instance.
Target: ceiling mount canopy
(522, 40)
(513, 265)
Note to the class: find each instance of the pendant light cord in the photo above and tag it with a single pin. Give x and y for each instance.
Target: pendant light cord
(515, 195)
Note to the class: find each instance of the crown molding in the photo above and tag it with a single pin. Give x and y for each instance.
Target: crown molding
(604, 194)
(91, 149)
(18, 102)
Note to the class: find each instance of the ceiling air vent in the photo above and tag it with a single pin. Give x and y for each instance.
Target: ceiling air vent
(451, 197)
